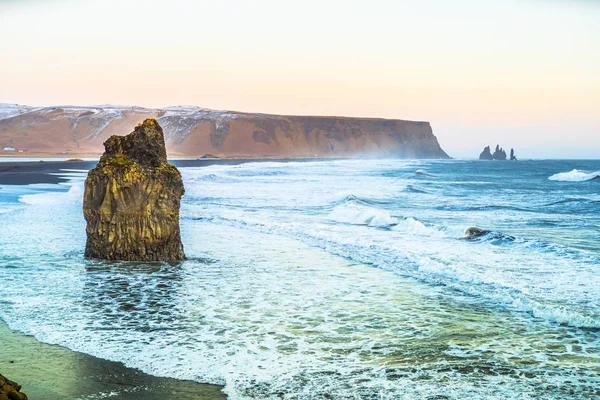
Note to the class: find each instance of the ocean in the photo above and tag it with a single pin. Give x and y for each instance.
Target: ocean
(344, 279)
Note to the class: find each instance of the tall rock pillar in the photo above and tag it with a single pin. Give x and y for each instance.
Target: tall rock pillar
(132, 199)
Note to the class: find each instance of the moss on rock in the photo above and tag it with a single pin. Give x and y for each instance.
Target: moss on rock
(132, 199)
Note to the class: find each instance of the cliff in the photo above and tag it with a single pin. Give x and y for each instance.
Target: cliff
(132, 199)
(193, 132)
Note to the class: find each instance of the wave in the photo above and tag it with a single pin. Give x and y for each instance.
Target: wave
(423, 267)
(491, 207)
(575, 176)
(413, 189)
(362, 198)
(75, 194)
(574, 200)
(415, 227)
(354, 211)
(213, 178)
(496, 238)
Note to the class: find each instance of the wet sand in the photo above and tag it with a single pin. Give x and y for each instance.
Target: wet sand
(49, 372)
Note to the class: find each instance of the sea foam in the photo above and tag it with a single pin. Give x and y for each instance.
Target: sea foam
(331, 280)
(575, 176)
(352, 212)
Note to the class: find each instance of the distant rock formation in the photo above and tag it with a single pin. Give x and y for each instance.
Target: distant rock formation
(499, 154)
(132, 199)
(193, 131)
(486, 154)
(10, 390)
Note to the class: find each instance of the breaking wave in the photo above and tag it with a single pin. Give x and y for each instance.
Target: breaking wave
(352, 211)
(73, 195)
(422, 267)
(331, 280)
(575, 176)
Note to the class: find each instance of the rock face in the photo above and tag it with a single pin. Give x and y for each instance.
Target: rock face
(474, 232)
(486, 154)
(499, 154)
(132, 199)
(10, 390)
(193, 132)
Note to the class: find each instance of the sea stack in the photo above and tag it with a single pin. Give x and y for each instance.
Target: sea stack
(10, 390)
(486, 154)
(132, 199)
(499, 154)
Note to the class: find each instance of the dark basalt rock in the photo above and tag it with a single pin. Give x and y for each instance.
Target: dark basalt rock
(10, 390)
(132, 199)
(474, 232)
(486, 154)
(499, 154)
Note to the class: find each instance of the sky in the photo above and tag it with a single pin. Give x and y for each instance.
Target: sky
(520, 73)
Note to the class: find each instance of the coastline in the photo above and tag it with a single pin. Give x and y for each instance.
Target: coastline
(33, 172)
(49, 372)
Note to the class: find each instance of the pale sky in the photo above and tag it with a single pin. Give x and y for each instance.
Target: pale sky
(521, 73)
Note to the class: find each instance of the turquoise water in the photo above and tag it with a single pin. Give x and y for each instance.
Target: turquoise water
(338, 279)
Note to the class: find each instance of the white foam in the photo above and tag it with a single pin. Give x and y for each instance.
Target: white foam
(416, 227)
(357, 214)
(575, 176)
(73, 195)
(277, 311)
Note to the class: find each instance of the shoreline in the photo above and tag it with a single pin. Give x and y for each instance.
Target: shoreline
(50, 372)
(33, 172)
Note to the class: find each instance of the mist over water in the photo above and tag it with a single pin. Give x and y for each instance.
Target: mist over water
(348, 279)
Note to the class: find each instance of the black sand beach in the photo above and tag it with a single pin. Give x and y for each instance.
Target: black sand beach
(49, 372)
(31, 172)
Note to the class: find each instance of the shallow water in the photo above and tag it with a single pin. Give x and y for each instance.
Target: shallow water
(49, 372)
(349, 279)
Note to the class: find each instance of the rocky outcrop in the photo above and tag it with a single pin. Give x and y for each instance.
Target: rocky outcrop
(499, 154)
(192, 132)
(474, 232)
(132, 199)
(10, 390)
(486, 154)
